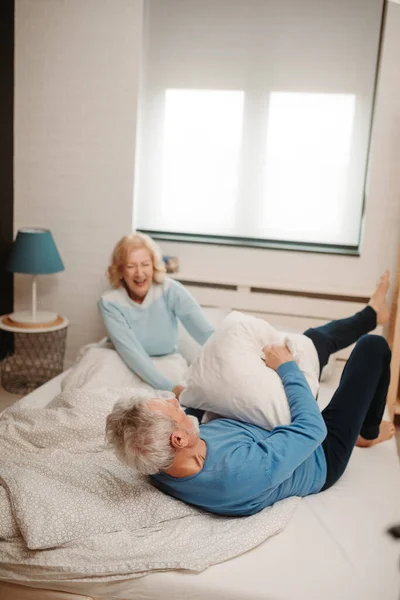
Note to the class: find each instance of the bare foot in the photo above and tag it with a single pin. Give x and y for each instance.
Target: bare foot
(386, 431)
(378, 300)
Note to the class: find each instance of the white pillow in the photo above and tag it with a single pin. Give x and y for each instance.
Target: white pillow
(229, 377)
(102, 367)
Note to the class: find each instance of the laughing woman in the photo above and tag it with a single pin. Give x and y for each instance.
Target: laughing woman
(141, 312)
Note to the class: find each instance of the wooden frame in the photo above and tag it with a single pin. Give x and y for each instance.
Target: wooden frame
(393, 397)
(15, 591)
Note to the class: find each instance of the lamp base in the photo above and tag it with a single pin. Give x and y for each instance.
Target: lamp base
(24, 318)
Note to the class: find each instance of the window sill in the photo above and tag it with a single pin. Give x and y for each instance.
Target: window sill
(254, 243)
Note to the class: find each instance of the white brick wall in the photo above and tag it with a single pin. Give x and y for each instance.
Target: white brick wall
(76, 83)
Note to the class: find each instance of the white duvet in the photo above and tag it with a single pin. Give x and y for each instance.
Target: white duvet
(69, 510)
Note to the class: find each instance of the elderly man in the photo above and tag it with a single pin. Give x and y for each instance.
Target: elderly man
(232, 468)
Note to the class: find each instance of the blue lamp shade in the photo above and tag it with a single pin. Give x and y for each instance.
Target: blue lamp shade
(34, 252)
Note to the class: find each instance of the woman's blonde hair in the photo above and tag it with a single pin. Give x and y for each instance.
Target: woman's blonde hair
(122, 250)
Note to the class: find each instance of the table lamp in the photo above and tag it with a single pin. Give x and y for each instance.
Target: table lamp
(35, 253)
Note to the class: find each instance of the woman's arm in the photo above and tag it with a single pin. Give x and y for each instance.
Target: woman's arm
(130, 349)
(189, 312)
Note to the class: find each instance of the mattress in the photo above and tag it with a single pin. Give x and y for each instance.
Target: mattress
(335, 546)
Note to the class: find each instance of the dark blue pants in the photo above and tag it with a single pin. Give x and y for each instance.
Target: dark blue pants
(358, 404)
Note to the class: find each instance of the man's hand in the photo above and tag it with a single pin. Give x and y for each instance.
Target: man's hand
(178, 389)
(275, 356)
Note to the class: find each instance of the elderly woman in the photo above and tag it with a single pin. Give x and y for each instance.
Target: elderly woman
(141, 312)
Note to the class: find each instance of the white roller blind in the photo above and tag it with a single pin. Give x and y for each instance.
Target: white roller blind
(255, 118)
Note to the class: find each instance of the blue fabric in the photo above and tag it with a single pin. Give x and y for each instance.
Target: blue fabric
(342, 333)
(34, 252)
(195, 412)
(248, 468)
(142, 331)
(358, 404)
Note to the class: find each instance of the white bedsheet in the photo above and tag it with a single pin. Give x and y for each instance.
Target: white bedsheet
(90, 518)
(335, 546)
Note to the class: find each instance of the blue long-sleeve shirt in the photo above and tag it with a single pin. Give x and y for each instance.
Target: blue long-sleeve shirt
(248, 468)
(140, 331)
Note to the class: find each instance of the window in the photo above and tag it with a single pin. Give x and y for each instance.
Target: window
(200, 161)
(307, 167)
(255, 120)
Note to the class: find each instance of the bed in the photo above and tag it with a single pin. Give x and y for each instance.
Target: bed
(335, 545)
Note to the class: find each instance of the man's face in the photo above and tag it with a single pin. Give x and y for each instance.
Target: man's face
(187, 424)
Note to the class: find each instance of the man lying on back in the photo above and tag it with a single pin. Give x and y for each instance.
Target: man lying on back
(232, 468)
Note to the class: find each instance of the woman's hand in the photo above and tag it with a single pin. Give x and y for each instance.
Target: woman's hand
(275, 356)
(178, 389)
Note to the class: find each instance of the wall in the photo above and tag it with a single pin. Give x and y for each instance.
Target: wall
(77, 74)
(76, 67)
(321, 272)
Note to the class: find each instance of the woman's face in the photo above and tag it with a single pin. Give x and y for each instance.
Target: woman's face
(138, 273)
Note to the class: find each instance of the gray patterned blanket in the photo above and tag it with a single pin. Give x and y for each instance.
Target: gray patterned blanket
(69, 510)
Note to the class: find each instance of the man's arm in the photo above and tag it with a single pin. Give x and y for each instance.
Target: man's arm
(288, 446)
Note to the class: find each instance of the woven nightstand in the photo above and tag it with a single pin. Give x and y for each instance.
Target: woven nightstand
(37, 356)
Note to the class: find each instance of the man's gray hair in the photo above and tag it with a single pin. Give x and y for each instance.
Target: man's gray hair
(141, 437)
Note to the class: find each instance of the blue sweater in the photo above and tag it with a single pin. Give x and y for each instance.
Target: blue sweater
(248, 468)
(139, 331)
